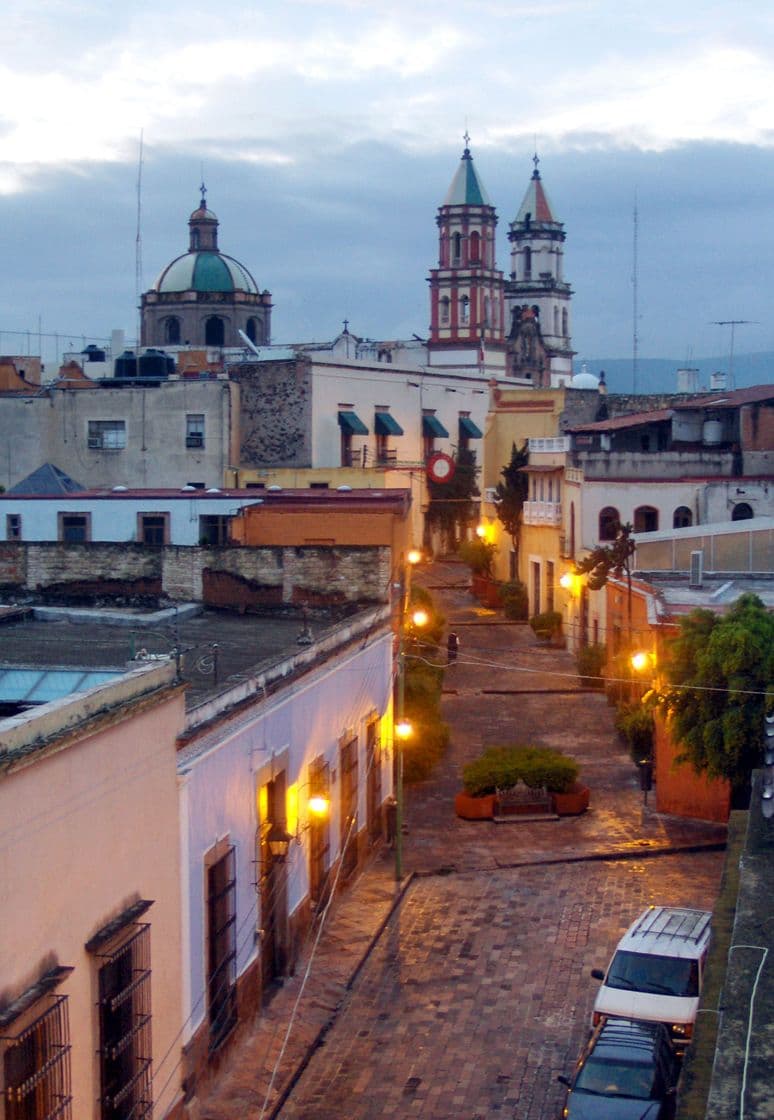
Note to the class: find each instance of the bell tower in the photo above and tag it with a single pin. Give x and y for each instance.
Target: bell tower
(466, 289)
(537, 292)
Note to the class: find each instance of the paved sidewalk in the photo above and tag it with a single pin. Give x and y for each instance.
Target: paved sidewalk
(504, 688)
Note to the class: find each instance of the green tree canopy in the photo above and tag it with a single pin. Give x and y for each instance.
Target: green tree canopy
(720, 682)
(512, 492)
(451, 506)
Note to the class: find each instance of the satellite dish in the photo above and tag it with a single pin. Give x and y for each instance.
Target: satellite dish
(249, 343)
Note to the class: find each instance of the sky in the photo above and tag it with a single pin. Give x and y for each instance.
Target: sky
(327, 134)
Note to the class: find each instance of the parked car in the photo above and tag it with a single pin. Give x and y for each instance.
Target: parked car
(628, 1070)
(657, 970)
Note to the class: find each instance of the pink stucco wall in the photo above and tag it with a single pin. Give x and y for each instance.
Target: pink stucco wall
(86, 830)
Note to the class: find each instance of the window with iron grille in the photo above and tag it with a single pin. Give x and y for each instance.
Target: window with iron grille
(125, 1028)
(107, 435)
(194, 429)
(36, 1066)
(221, 939)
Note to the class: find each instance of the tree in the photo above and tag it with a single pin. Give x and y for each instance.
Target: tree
(512, 494)
(451, 506)
(720, 682)
(611, 559)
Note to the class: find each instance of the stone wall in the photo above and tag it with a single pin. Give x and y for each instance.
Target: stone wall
(276, 413)
(233, 578)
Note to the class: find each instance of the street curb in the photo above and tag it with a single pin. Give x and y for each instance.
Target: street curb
(593, 857)
(319, 1038)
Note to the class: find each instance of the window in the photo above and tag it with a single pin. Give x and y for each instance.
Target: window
(35, 1047)
(13, 529)
(456, 248)
(682, 518)
(645, 519)
(445, 309)
(221, 946)
(214, 529)
(172, 331)
(214, 331)
(464, 310)
(194, 430)
(475, 247)
(74, 528)
(527, 263)
(564, 322)
(152, 528)
(122, 950)
(609, 523)
(254, 331)
(741, 512)
(107, 435)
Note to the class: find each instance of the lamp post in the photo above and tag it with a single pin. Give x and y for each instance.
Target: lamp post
(402, 727)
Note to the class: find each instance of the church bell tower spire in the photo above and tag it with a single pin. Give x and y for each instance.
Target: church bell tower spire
(466, 289)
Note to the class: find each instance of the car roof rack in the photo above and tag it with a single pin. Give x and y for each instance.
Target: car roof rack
(672, 921)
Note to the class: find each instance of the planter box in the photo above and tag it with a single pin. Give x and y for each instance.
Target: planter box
(474, 808)
(572, 803)
(486, 591)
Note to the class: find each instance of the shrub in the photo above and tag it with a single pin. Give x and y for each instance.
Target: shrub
(548, 623)
(515, 599)
(634, 723)
(425, 749)
(478, 555)
(590, 660)
(502, 767)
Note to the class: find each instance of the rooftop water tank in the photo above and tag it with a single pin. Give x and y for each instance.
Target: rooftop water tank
(156, 364)
(712, 432)
(126, 364)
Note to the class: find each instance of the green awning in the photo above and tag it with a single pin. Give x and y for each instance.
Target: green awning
(432, 426)
(469, 428)
(386, 425)
(351, 423)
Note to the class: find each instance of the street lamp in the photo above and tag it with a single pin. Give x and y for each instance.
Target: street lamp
(402, 729)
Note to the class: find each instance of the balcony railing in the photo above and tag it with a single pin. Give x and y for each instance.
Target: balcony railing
(542, 513)
(552, 444)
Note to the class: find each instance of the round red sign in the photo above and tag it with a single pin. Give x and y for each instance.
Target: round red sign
(440, 467)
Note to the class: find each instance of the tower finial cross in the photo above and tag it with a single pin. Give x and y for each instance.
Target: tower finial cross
(466, 138)
(203, 189)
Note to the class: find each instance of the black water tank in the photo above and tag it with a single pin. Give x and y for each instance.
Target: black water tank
(93, 353)
(126, 364)
(156, 364)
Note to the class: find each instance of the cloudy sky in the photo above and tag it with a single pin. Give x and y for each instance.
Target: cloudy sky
(328, 132)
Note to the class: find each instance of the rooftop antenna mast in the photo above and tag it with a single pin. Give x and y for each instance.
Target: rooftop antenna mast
(731, 323)
(635, 310)
(138, 249)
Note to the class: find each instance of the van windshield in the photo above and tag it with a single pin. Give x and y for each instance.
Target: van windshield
(643, 972)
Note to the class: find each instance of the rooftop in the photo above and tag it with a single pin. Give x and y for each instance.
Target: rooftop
(218, 650)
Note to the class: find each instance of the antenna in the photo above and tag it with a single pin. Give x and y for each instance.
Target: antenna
(635, 313)
(138, 250)
(731, 323)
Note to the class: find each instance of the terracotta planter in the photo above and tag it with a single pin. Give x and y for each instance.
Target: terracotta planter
(572, 803)
(474, 808)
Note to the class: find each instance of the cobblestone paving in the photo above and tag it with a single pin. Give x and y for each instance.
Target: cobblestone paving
(478, 993)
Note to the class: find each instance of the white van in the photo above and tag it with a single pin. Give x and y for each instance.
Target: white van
(657, 970)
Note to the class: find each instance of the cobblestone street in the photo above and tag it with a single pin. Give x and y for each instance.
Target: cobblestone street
(478, 992)
(465, 990)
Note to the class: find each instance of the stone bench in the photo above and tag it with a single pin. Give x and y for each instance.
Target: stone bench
(522, 803)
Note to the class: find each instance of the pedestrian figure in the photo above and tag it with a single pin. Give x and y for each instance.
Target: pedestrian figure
(391, 820)
(452, 645)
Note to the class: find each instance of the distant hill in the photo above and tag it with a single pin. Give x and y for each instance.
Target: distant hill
(659, 375)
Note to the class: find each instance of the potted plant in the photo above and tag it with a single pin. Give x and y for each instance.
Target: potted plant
(547, 627)
(515, 600)
(539, 768)
(590, 661)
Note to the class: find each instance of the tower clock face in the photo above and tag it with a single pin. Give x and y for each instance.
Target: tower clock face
(440, 467)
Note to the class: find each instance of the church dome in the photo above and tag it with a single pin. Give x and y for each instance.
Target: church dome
(205, 271)
(584, 380)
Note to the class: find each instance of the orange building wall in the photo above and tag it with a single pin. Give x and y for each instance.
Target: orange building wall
(680, 790)
(351, 525)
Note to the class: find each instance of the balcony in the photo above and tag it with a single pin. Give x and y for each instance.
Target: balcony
(542, 513)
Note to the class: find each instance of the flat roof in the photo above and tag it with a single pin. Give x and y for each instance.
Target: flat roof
(269, 496)
(243, 642)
